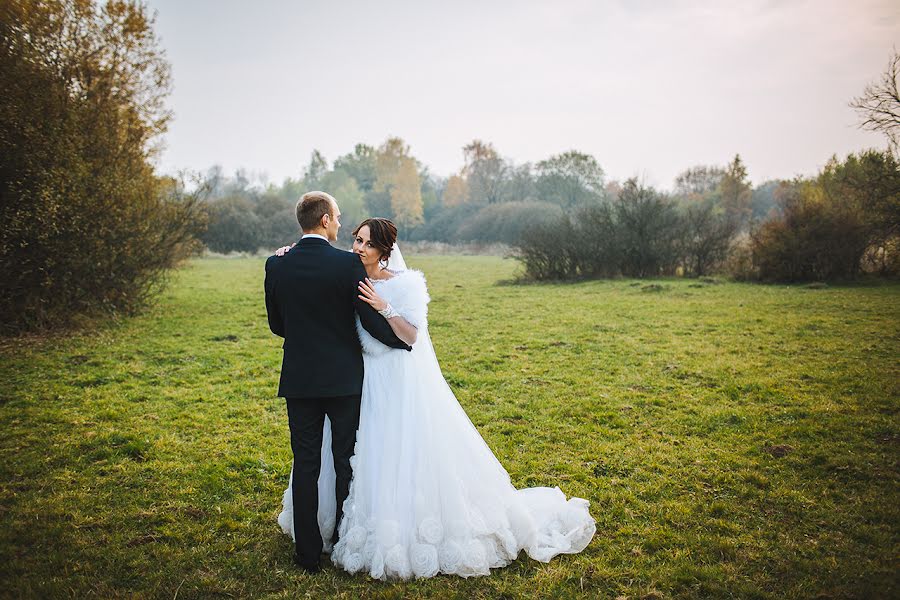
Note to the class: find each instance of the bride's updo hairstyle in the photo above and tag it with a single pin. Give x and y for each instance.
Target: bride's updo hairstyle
(382, 234)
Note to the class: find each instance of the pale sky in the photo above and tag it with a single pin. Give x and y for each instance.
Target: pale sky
(648, 88)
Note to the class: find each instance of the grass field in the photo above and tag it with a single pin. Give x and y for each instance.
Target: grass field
(734, 440)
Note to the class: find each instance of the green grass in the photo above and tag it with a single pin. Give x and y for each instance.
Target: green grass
(734, 440)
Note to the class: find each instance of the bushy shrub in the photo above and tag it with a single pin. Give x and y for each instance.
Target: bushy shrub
(278, 221)
(547, 250)
(445, 223)
(648, 227)
(233, 226)
(594, 246)
(835, 226)
(249, 223)
(868, 185)
(634, 235)
(87, 226)
(815, 240)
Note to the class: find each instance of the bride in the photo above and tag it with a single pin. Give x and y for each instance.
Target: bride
(427, 494)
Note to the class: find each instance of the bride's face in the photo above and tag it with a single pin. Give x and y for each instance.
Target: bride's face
(362, 245)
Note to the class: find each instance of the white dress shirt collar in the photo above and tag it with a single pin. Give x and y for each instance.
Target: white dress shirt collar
(314, 235)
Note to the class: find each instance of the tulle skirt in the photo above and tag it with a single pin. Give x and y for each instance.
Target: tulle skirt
(427, 495)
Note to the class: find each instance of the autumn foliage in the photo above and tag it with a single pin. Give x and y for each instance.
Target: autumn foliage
(87, 226)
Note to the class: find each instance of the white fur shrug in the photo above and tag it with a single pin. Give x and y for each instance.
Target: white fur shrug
(407, 293)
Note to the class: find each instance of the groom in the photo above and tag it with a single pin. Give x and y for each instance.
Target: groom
(311, 301)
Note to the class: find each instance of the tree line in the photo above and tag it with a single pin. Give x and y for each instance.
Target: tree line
(90, 229)
(836, 226)
(566, 220)
(489, 200)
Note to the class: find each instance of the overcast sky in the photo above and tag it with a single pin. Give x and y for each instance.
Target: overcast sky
(649, 88)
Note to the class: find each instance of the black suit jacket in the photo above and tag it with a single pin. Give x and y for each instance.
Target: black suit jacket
(312, 301)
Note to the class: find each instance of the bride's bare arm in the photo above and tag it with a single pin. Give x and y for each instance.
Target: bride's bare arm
(403, 329)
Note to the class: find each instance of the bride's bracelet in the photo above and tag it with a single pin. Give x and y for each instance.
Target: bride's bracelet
(388, 312)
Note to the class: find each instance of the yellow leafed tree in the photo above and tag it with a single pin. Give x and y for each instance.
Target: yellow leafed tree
(397, 175)
(388, 161)
(456, 192)
(406, 195)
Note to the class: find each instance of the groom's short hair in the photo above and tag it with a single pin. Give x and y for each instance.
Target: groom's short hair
(311, 207)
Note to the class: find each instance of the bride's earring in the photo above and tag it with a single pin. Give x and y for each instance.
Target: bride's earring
(383, 262)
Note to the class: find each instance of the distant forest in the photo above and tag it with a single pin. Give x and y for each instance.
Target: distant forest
(565, 220)
(491, 199)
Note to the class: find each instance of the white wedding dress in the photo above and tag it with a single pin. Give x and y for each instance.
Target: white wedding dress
(427, 494)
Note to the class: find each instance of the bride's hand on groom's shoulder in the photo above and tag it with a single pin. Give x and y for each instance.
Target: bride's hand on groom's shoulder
(284, 249)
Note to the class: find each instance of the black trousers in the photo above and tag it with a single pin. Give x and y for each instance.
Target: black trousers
(306, 417)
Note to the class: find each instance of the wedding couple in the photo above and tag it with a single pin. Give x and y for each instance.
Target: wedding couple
(389, 473)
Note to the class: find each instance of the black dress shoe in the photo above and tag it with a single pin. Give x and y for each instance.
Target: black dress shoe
(310, 568)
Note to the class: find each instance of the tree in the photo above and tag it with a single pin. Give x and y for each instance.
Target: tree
(429, 190)
(484, 172)
(360, 165)
(456, 191)
(549, 250)
(764, 199)
(570, 179)
(612, 190)
(345, 190)
(87, 225)
(736, 192)
(277, 217)
(707, 237)
(815, 239)
(388, 160)
(238, 185)
(505, 222)
(597, 241)
(215, 180)
(233, 226)
(699, 181)
(868, 186)
(833, 227)
(519, 185)
(647, 225)
(406, 196)
(314, 171)
(879, 105)
(445, 223)
(397, 185)
(292, 189)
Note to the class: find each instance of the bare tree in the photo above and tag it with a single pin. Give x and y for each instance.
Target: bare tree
(879, 105)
